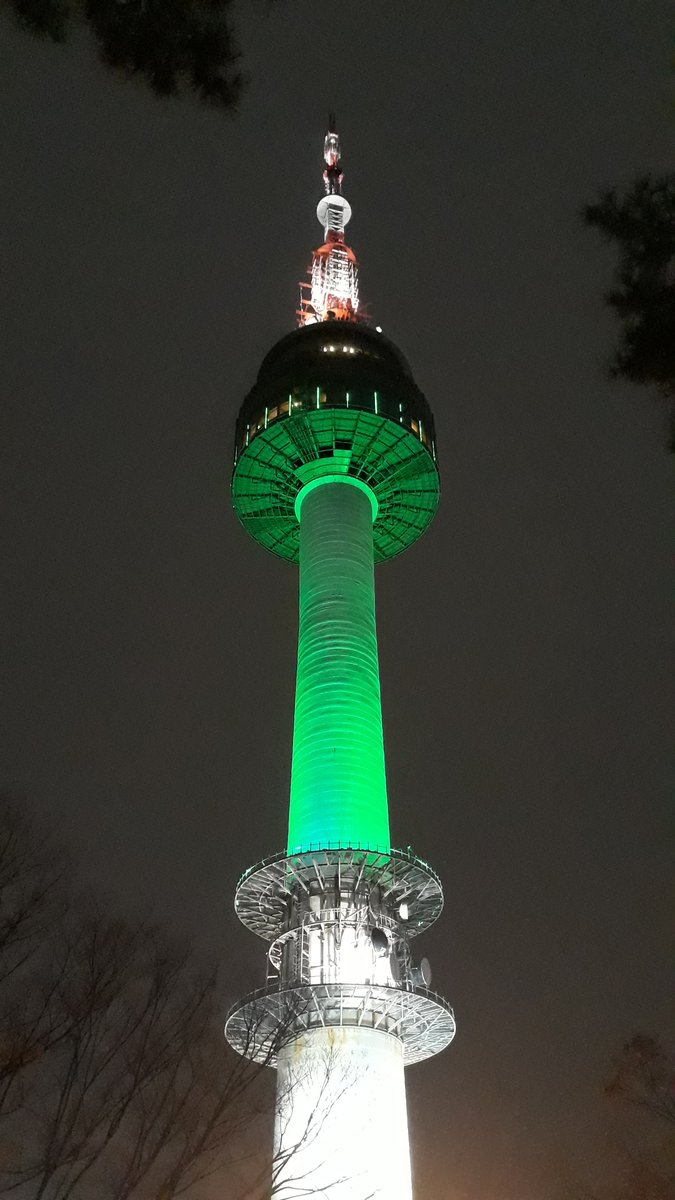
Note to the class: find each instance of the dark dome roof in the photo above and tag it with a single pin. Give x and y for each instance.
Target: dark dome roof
(307, 344)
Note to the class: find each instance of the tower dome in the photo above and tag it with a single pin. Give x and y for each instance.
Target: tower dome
(335, 398)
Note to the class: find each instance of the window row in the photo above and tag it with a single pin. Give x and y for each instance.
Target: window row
(310, 399)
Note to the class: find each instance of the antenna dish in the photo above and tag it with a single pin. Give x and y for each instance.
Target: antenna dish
(421, 976)
(333, 212)
(380, 941)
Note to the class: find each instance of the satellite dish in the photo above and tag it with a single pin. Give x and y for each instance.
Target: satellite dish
(394, 967)
(421, 976)
(380, 941)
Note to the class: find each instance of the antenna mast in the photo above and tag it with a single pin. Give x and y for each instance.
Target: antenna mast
(332, 291)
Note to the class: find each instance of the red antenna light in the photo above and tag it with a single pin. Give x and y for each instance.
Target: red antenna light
(332, 292)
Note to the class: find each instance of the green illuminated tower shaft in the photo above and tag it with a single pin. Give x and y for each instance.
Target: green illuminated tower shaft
(338, 782)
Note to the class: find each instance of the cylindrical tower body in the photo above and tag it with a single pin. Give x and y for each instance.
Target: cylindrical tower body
(338, 785)
(335, 468)
(341, 1123)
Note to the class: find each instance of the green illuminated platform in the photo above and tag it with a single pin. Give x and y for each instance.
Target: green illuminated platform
(335, 398)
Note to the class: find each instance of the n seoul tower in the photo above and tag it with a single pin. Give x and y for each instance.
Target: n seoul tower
(335, 469)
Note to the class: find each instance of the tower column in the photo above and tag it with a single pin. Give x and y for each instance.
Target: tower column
(341, 1125)
(335, 469)
(338, 781)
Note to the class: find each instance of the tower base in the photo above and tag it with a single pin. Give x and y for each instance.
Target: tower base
(341, 1127)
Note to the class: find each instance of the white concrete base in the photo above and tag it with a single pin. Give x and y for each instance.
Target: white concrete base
(341, 1128)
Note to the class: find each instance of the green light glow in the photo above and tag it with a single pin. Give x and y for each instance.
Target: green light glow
(322, 480)
(386, 455)
(338, 782)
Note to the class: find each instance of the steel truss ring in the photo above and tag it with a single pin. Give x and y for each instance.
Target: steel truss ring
(262, 1023)
(264, 891)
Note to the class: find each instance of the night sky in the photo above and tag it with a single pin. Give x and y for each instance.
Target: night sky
(149, 255)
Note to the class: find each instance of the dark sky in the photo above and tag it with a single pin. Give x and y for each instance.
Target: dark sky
(149, 255)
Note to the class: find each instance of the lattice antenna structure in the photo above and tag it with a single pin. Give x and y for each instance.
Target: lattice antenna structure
(335, 468)
(332, 291)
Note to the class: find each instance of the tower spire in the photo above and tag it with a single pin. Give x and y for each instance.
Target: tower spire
(332, 175)
(332, 291)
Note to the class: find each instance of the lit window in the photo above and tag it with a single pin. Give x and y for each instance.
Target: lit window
(415, 426)
(272, 414)
(285, 405)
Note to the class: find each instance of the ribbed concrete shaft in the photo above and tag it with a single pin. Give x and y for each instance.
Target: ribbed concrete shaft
(338, 783)
(341, 1128)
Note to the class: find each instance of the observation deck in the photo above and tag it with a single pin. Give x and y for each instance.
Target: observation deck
(335, 398)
